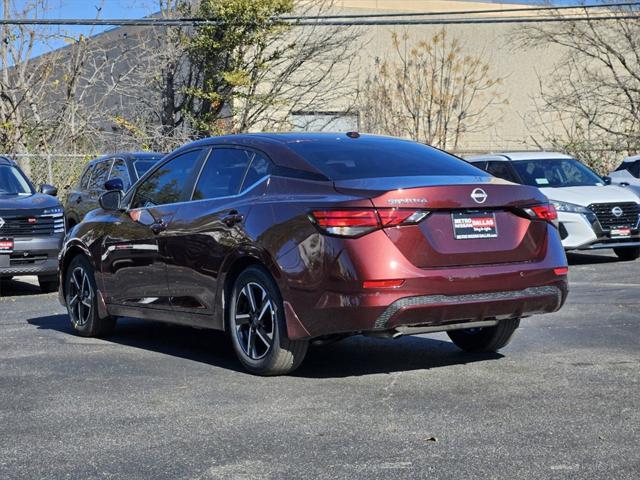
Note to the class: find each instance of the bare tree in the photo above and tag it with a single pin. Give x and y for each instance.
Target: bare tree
(430, 91)
(61, 100)
(250, 72)
(590, 104)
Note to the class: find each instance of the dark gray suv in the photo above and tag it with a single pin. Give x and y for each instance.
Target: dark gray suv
(31, 227)
(117, 171)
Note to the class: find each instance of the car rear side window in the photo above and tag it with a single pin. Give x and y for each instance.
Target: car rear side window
(223, 173)
(346, 159)
(167, 184)
(100, 175)
(119, 170)
(260, 167)
(84, 181)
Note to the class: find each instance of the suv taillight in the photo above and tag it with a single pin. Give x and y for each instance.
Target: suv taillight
(357, 222)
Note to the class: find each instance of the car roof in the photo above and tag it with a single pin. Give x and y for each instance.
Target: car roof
(129, 156)
(514, 156)
(275, 145)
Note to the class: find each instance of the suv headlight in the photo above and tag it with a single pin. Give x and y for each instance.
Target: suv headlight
(53, 211)
(570, 207)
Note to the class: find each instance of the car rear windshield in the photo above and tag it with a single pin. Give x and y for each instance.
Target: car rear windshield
(347, 159)
(562, 172)
(12, 182)
(142, 166)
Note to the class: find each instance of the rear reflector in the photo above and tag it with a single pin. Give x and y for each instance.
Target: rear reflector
(355, 222)
(382, 283)
(561, 271)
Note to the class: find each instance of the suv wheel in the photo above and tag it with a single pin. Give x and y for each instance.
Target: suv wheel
(256, 325)
(486, 339)
(48, 283)
(627, 253)
(82, 301)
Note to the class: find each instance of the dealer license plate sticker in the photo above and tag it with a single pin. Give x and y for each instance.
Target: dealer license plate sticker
(6, 245)
(620, 232)
(472, 225)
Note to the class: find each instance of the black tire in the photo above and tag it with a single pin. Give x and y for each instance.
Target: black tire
(48, 283)
(82, 301)
(486, 339)
(626, 254)
(258, 352)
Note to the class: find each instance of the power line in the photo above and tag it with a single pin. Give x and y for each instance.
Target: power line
(468, 12)
(151, 22)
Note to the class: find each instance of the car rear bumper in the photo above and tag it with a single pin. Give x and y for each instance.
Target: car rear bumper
(391, 311)
(32, 256)
(331, 298)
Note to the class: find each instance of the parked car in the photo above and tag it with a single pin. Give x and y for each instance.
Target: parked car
(31, 227)
(628, 174)
(281, 239)
(121, 170)
(592, 214)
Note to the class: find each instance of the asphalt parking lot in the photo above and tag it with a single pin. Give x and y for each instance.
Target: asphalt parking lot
(157, 401)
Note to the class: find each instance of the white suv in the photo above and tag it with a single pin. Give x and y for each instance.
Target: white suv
(628, 174)
(592, 214)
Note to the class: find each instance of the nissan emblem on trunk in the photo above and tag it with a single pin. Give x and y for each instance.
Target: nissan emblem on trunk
(617, 211)
(479, 195)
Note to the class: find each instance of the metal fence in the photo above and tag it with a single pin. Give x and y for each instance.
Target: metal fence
(61, 170)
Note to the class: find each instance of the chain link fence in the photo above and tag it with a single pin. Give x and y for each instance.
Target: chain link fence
(61, 170)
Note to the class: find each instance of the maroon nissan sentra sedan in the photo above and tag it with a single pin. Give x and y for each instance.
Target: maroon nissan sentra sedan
(286, 239)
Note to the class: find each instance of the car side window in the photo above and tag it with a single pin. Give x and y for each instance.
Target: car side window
(501, 170)
(100, 175)
(84, 181)
(119, 170)
(260, 167)
(223, 173)
(167, 184)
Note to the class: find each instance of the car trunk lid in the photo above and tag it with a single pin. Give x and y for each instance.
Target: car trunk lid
(471, 221)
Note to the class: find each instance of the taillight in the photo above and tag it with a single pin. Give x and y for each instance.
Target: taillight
(357, 222)
(348, 223)
(545, 211)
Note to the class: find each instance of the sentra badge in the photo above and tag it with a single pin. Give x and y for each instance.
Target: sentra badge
(404, 201)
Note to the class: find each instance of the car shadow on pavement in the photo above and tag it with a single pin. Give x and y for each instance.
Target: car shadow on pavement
(18, 288)
(590, 258)
(358, 355)
(354, 356)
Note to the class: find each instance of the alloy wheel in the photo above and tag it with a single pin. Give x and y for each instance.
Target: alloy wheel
(254, 321)
(79, 297)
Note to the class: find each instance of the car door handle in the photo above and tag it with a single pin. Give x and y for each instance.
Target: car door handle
(232, 218)
(158, 227)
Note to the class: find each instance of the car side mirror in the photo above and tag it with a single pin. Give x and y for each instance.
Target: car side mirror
(606, 180)
(111, 200)
(114, 184)
(48, 190)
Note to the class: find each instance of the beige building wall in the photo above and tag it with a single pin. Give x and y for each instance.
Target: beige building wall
(494, 42)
